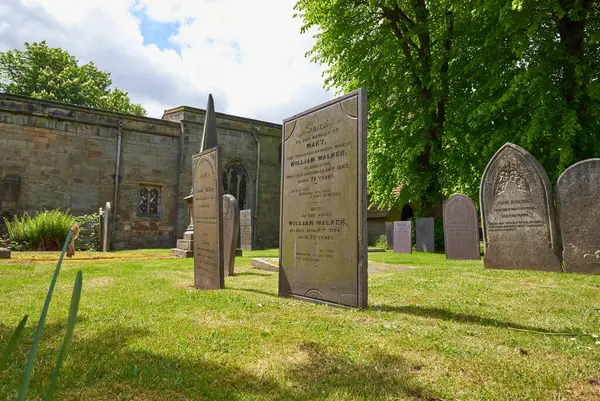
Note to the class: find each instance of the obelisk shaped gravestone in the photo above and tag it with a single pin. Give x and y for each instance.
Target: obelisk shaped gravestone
(517, 213)
(207, 209)
(578, 208)
(323, 237)
(231, 220)
(209, 133)
(461, 228)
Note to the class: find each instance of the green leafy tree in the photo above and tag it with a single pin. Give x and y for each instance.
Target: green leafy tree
(53, 74)
(449, 82)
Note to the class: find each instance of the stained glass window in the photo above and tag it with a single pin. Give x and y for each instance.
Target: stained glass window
(234, 182)
(149, 201)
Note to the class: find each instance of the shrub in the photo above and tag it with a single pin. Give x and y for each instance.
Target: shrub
(47, 230)
(381, 242)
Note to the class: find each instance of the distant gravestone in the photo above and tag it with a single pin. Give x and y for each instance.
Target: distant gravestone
(230, 227)
(208, 232)
(425, 234)
(4, 253)
(389, 234)
(517, 213)
(106, 228)
(461, 229)
(246, 229)
(323, 237)
(578, 208)
(402, 236)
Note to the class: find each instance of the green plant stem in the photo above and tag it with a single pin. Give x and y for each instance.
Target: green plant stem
(12, 343)
(40, 327)
(70, 326)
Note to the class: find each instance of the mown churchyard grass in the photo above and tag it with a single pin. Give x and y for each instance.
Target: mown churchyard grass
(434, 330)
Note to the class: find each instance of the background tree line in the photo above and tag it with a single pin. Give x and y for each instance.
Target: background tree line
(450, 81)
(50, 73)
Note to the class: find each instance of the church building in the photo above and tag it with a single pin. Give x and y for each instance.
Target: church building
(57, 155)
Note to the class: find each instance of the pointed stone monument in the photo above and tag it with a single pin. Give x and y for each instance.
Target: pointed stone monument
(185, 246)
(207, 210)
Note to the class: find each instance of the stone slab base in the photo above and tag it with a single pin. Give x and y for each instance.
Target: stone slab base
(182, 253)
(185, 244)
(4, 253)
(376, 250)
(268, 264)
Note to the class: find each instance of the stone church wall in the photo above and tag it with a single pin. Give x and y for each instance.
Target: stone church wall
(63, 156)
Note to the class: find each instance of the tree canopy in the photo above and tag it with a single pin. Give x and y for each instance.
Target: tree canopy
(53, 74)
(451, 81)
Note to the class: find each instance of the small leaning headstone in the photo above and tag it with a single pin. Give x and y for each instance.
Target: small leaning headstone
(461, 229)
(517, 213)
(230, 228)
(578, 208)
(402, 236)
(4, 253)
(425, 234)
(389, 234)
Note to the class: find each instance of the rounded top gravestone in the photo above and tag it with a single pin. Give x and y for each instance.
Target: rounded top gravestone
(578, 207)
(517, 213)
(461, 228)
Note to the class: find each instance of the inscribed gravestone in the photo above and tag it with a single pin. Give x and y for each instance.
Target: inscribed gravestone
(425, 234)
(246, 229)
(323, 246)
(208, 232)
(402, 236)
(389, 234)
(517, 213)
(230, 228)
(461, 229)
(578, 208)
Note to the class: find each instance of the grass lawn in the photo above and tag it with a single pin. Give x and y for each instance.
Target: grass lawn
(437, 330)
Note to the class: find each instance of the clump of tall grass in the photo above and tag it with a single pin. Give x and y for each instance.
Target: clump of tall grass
(45, 231)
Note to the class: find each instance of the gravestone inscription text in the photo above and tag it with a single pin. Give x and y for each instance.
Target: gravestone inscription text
(517, 213)
(323, 248)
(208, 233)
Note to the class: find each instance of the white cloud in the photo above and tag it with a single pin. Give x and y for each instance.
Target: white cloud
(249, 54)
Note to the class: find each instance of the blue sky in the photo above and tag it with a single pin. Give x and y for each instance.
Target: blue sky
(169, 53)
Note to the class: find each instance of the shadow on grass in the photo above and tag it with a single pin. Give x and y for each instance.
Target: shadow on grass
(252, 274)
(270, 294)
(109, 365)
(443, 314)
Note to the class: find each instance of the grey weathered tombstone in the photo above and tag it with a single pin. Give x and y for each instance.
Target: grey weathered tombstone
(230, 228)
(425, 234)
(389, 234)
(246, 229)
(402, 236)
(517, 213)
(323, 237)
(4, 253)
(461, 228)
(578, 208)
(208, 220)
(107, 227)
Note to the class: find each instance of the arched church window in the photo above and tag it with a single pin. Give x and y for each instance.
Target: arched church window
(235, 181)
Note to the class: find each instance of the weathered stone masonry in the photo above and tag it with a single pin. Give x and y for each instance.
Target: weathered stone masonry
(63, 156)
